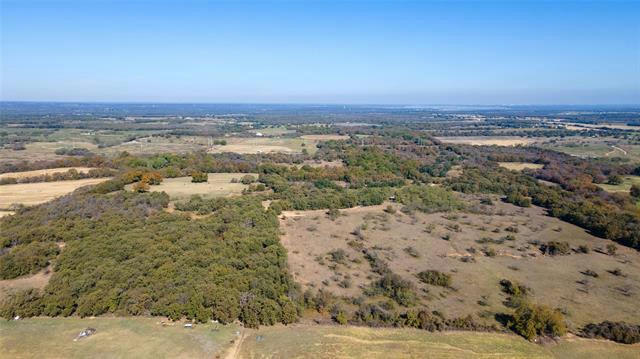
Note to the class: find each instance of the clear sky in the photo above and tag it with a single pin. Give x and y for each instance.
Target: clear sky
(371, 52)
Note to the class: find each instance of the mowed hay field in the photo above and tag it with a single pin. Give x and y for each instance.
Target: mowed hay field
(114, 338)
(456, 244)
(488, 140)
(315, 341)
(272, 144)
(30, 194)
(34, 173)
(218, 185)
(519, 166)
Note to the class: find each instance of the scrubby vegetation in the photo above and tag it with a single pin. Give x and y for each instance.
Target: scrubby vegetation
(135, 259)
(620, 332)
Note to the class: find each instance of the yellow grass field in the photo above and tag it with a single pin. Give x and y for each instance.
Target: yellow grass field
(325, 137)
(144, 337)
(487, 141)
(519, 166)
(49, 171)
(114, 338)
(219, 185)
(30, 194)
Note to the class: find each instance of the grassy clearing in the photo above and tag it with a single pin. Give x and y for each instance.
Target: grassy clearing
(35, 193)
(440, 241)
(219, 185)
(625, 186)
(114, 338)
(300, 341)
(519, 166)
(265, 145)
(38, 281)
(325, 137)
(49, 171)
(487, 140)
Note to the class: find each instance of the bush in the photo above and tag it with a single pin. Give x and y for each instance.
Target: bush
(635, 191)
(555, 248)
(27, 259)
(620, 332)
(614, 180)
(434, 277)
(199, 177)
(531, 321)
(247, 179)
(611, 249)
(394, 287)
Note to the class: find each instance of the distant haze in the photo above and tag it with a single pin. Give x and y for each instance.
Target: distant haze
(332, 52)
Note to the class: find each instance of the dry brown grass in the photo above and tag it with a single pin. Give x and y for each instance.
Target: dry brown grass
(488, 140)
(219, 185)
(325, 137)
(49, 171)
(38, 281)
(519, 166)
(35, 193)
(554, 279)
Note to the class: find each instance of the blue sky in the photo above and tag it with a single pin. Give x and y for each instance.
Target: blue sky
(372, 52)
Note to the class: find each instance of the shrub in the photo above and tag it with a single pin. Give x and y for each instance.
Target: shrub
(394, 287)
(555, 248)
(531, 321)
(584, 249)
(635, 191)
(614, 180)
(141, 187)
(611, 249)
(620, 332)
(199, 177)
(434, 277)
(412, 252)
(247, 179)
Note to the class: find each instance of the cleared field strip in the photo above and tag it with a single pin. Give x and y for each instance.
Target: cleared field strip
(49, 171)
(218, 185)
(519, 166)
(488, 140)
(30, 194)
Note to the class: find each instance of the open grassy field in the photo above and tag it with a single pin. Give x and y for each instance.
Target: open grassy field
(143, 337)
(325, 137)
(519, 166)
(607, 147)
(265, 145)
(34, 193)
(314, 341)
(488, 140)
(26, 174)
(219, 185)
(114, 338)
(625, 186)
(457, 244)
(42, 151)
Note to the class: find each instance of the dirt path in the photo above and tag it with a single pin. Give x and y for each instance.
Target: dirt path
(615, 148)
(234, 351)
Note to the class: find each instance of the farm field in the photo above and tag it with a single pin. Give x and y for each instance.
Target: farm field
(144, 337)
(625, 186)
(303, 341)
(248, 145)
(30, 194)
(594, 147)
(37, 151)
(49, 171)
(219, 185)
(457, 244)
(139, 337)
(519, 166)
(488, 140)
